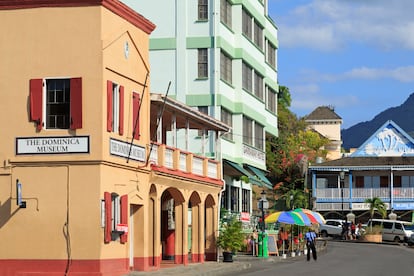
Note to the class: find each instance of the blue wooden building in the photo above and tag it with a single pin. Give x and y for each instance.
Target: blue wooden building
(382, 167)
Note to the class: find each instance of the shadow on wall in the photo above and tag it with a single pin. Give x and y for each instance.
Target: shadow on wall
(6, 211)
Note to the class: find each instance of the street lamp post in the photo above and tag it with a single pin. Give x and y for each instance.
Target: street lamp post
(263, 205)
(342, 180)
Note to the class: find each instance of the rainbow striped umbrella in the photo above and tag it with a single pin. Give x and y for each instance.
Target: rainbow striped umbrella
(314, 217)
(287, 217)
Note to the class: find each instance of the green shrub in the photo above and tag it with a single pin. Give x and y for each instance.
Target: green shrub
(376, 229)
(231, 236)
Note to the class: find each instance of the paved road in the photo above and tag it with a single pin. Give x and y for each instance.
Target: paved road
(342, 259)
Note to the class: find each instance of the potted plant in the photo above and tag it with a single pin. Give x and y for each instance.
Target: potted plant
(373, 234)
(231, 238)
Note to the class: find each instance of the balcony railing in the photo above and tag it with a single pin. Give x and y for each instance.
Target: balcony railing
(175, 159)
(335, 194)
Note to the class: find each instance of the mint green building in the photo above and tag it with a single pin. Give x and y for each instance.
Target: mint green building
(221, 58)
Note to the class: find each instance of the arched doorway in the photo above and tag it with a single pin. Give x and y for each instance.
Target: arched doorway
(152, 226)
(195, 229)
(211, 224)
(172, 226)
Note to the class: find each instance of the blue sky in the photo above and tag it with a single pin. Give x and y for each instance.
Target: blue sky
(355, 55)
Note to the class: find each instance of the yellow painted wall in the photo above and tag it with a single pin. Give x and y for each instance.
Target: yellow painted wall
(63, 192)
(50, 42)
(86, 42)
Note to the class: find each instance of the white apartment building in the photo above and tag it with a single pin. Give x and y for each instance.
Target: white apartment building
(221, 58)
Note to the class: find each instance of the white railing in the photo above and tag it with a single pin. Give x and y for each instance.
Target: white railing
(169, 160)
(197, 165)
(334, 193)
(364, 193)
(402, 193)
(164, 156)
(371, 193)
(212, 169)
(183, 162)
(154, 154)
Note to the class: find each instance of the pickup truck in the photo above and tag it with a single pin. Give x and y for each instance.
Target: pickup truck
(332, 227)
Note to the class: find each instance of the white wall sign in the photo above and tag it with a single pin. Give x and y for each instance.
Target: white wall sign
(126, 150)
(404, 206)
(253, 154)
(52, 145)
(365, 206)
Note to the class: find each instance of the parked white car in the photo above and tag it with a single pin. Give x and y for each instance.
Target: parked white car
(332, 227)
(411, 240)
(394, 230)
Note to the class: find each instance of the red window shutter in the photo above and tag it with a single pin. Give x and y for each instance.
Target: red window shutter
(135, 121)
(121, 110)
(108, 217)
(76, 103)
(124, 216)
(109, 106)
(36, 91)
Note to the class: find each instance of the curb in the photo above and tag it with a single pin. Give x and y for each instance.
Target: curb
(240, 262)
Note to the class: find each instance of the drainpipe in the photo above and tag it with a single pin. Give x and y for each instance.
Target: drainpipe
(392, 188)
(350, 190)
(313, 188)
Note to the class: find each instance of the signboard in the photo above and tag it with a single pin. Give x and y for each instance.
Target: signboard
(244, 216)
(272, 245)
(253, 154)
(52, 145)
(127, 150)
(403, 206)
(122, 228)
(365, 206)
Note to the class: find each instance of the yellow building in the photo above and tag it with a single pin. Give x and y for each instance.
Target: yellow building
(83, 189)
(327, 123)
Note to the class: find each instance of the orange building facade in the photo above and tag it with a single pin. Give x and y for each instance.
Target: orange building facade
(83, 188)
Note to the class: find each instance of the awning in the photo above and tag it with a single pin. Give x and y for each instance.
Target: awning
(261, 175)
(235, 169)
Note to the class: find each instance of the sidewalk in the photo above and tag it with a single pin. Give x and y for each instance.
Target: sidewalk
(240, 262)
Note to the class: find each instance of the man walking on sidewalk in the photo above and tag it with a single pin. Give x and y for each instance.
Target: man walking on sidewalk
(310, 237)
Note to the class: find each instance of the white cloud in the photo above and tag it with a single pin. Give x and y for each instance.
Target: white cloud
(313, 37)
(307, 97)
(402, 74)
(333, 24)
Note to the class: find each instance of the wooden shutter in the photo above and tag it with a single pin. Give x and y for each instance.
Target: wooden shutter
(109, 106)
(135, 121)
(75, 103)
(124, 216)
(121, 110)
(108, 217)
(36, 91)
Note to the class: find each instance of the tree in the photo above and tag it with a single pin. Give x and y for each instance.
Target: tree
(288, 155)
(295, 199)
(376, 203)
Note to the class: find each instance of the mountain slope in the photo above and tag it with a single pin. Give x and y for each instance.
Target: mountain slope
(402, 115)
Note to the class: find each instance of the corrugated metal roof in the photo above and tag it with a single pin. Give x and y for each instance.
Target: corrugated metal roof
(323, 113)
(366, 163)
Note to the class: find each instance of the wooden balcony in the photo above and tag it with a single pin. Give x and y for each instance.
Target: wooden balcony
(335, 194)
(336, 199)
(183, 163)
